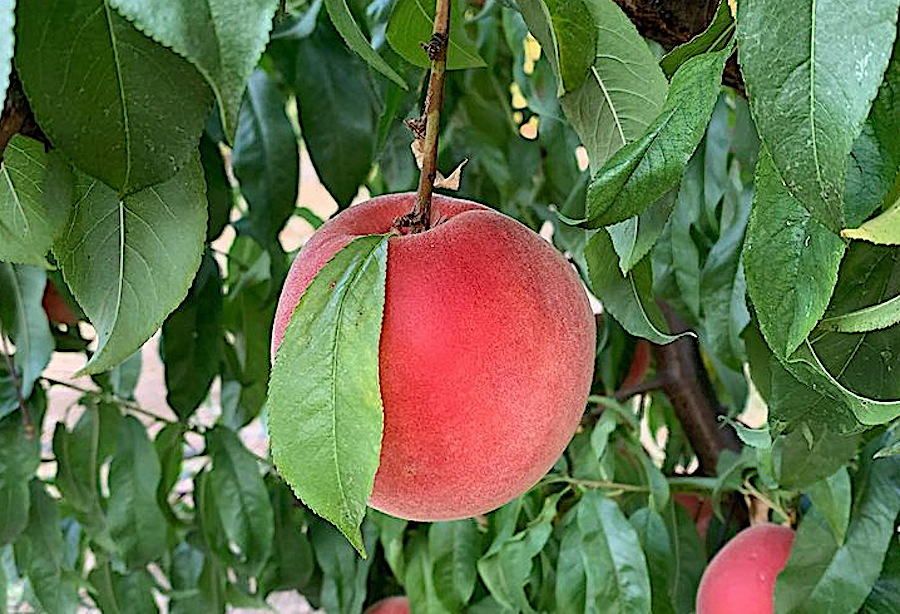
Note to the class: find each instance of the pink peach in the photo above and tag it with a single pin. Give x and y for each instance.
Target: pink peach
(391, 605)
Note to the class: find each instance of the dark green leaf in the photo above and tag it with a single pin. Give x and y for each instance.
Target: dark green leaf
(330, 81)
(412, 22)
(266, 159)
(714, 38)
(885, 595)
(822, 576)
(634, 238)
(124, 378)
(566, 31)
(123, 594)
(454, 548)
(654, 539)
(40, 554)
(191, 342)
(130, 261)
(240, 499)
(601, 564)
(642, 171)
(219, 196)
(198, 582)
(223, 39)
(169, 444)
(35, 198)
(343, 572)
(326, 429)
(135, 520)
(19, 459)
(23, 320)
(78, 465)
(629, 299)
(349, 30)
(688, 555)
(292, 563)
(419, 577)
(811, 76)
(122, 107)
(832, 498)
(784, 244)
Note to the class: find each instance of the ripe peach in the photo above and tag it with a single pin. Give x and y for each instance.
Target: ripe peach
(391, 605)
(741, 577)
(55, 306)
(485, 359)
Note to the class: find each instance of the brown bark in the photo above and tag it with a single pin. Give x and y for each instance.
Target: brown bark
(17, 117)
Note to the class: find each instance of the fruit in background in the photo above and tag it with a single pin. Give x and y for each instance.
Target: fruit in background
(640, 364)
(485, 359)
(741, 577)
(391, 605)
(55, 306)
(700, 509)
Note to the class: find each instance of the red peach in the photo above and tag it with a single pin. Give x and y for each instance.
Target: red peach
(485, 359)
(55, 306)
(700, 509)
(640, 364)
(741, 577)
(391, 605)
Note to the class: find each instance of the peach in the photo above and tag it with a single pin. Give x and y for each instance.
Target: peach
(700, 509)
(485, 358)
(741, 577)
(391, 605)
(640, 364)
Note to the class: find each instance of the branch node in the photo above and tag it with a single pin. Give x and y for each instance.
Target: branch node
(436, 46)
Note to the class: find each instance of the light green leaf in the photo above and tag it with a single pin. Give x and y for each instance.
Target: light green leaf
(566, 31)
(325, 412)
(240, 499)
(22, 318)
(784, 244)
(121, 107)
(714, 38)
(624, 89)
(418, 577)
(35, 199)
(130, 261)
(223, 39)
(811, 76)
(755, 438)
(412, 23)
(832, 498)
(634, 238)
(874, 317)
(821, 576)
(645, 169)
(135, 520)
(454, 548)
(19, 459)
(628, 299)
(350, 31)
(881, 230)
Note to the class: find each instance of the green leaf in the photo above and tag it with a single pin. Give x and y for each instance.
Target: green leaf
(191, 343)
(641, 172)
(688, 554)
(35, 198)
(123, 379)
(628, 299)
(811, 77)
(624, 89)
(873, 317)
(885, 595)
(40, 554)
(454, 548)
(122, 107)
(130, 261)
(784, 243)
(78, 465)
(350, 31)
(292, 564)
(198, 583)
(822, 576)
(755, 438)
(240, 500)
(219, 195)
(832, 498)
(169, 445)
(715, 37)
(344, 574)
(19, 459)
(601, 564)
(22, 318)
(634, 238)
(121, 594)
(875, 158)
(506, 566)
(566, 31)
(881, 230)
(330, 81)
(412, 23)
(223, 39)
(418, 577)
(654, 539)
(325, 412)
(135, 520)
(392, 531)
(266, 159)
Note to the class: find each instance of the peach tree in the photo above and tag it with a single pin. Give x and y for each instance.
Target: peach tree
(722, 177)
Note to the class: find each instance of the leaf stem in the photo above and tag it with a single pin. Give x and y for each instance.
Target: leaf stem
(418, 220)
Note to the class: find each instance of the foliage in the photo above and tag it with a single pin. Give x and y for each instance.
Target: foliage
(768, 224)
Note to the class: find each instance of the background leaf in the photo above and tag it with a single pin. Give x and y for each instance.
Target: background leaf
(714, 38)
(412, 23)
(23, 320)
(19, 459)
(349, 30)
(454, 548)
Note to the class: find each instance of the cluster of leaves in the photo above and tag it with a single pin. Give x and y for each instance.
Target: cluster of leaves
(737, 213)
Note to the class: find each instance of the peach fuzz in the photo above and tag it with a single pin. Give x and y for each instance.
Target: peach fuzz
(390, 605)
(741, 577)
(485, 358)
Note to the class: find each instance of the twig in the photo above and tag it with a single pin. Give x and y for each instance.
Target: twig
(17, 385)
(419, 219)
(130, 405)
(641, 388)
